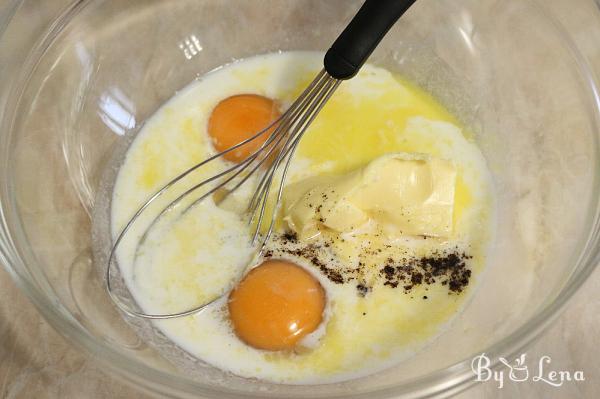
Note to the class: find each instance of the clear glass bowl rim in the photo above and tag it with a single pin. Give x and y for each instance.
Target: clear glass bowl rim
(441, 383)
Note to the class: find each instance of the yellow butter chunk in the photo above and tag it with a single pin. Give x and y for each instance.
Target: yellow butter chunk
(402, 194)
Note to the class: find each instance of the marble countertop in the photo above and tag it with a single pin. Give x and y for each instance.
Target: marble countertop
(36, 362)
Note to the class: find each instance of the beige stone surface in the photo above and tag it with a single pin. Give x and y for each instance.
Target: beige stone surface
(36, 362)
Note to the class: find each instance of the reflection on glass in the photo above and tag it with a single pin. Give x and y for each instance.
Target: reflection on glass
(116, 111)
(190, 46)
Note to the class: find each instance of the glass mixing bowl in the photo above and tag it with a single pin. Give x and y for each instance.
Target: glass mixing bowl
(77, 84)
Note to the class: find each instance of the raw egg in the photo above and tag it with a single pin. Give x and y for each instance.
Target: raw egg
(276, 305)
(238, 118)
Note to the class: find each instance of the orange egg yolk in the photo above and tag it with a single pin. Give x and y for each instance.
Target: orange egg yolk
(238, 118)
(276, 305)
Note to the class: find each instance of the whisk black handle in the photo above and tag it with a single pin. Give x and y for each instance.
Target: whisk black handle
(356, 43)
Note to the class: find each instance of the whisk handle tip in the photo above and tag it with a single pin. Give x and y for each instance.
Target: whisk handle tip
(362, 35)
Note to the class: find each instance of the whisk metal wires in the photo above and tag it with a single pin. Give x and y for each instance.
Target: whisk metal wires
(271, 161)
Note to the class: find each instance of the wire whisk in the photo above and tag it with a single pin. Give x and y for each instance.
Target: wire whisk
(271, 161)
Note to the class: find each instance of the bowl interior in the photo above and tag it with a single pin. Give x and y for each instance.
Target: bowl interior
(504, 68)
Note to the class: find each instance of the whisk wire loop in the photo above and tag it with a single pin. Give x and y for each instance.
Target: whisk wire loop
(342, 61)
(278, 149)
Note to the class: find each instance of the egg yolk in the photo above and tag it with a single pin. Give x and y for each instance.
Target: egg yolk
(276, 305)
(238, 118)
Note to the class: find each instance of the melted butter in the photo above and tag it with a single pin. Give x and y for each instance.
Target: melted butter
(462, 198)
(354, 129)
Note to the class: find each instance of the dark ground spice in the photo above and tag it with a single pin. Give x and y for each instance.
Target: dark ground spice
(447, 268)
(362, 289)
(312, 253)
